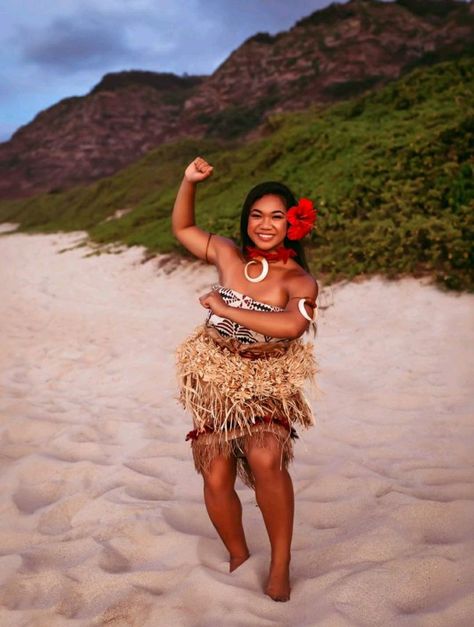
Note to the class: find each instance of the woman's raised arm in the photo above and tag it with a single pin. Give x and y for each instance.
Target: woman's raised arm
(195, 239)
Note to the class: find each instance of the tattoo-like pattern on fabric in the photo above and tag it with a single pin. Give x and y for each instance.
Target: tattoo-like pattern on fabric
(229, 328)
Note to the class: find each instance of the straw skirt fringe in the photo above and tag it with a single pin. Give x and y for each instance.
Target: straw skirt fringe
(228, 395)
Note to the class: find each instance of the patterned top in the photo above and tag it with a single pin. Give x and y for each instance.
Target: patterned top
(229, 328)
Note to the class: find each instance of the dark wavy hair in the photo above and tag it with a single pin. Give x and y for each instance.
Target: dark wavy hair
(285, 193)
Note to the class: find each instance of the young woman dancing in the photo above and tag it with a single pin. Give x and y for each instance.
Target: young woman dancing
(242, 372)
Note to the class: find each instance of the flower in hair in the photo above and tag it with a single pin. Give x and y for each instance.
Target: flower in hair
(301, 218)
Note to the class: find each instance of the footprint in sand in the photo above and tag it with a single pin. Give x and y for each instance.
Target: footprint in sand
(192, 520)
(153, 491)
(29, 497)
(58, 518)
(112, 561)
(34, 591)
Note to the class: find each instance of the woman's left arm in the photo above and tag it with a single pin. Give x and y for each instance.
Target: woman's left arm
(287, 323)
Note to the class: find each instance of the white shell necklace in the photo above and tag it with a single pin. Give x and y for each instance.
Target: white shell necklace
(262, 274)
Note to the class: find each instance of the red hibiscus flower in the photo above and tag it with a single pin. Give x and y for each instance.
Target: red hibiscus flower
(302, 218)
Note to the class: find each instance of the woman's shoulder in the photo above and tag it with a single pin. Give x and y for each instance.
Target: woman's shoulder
(224, 242)
(222, 248)
(299, 280)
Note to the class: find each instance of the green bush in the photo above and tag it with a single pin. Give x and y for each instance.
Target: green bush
(391, 174)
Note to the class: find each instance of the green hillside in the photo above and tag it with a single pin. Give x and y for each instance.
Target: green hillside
(391, 173)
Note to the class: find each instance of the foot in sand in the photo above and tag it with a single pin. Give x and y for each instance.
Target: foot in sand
(236, 561)
(278, 583)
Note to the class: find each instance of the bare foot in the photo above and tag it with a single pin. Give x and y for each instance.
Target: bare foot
(235, 561)
(278, 583)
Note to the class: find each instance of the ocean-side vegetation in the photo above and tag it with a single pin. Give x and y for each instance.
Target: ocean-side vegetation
(390, 172)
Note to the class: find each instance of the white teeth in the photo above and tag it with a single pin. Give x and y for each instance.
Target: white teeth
(265, 236)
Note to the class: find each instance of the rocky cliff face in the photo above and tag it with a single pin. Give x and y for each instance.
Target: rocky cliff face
(334, 53)
(85, 138)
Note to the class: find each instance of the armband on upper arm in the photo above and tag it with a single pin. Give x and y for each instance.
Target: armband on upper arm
(311, 302)
(207, 246)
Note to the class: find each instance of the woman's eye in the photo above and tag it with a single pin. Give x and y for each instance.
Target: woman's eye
(254, 215)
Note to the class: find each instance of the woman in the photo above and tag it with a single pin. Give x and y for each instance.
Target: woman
(241, 373)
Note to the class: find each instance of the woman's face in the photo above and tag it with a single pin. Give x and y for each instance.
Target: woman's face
(267, 223)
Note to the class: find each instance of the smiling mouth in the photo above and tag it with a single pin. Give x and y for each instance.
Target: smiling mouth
(264, 236)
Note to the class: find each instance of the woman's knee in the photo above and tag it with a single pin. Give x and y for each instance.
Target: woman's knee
(220, 476)
(265, 457)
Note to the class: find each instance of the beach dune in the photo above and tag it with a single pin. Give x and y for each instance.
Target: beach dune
(102, 517)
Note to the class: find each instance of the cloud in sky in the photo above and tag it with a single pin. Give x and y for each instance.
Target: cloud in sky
(70, 45)
(52, 50)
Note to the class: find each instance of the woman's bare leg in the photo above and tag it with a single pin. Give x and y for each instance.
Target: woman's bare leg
(224, 508)
(274, 492)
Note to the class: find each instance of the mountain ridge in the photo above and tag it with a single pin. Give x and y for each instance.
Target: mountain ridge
(334, 53)
(391, 174)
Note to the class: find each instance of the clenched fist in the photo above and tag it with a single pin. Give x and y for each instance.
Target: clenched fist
(198, 170)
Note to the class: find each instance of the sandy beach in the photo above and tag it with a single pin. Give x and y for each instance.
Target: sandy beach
(102, 518)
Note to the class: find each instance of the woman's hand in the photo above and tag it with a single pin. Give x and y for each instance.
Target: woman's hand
(198, 170)
(214, 301)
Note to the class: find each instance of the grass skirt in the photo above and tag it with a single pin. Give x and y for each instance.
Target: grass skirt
(235, 391)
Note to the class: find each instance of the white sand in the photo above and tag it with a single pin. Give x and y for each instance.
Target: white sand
(102, 519)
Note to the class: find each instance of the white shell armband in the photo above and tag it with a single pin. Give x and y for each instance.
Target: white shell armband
(303, 311)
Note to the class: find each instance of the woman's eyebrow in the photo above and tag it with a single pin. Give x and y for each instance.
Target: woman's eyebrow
(273, 210)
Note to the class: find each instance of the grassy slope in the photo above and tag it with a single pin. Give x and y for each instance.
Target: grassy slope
(391, 174)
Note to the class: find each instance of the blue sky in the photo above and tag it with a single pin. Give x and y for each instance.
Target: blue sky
(50, 50)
